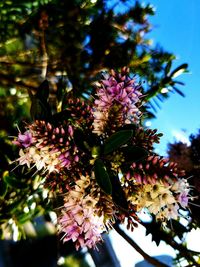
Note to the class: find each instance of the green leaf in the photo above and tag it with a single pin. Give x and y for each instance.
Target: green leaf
(60, 89)
(134, 153)
(154, 228)
(3, 188)
(116, 140)
(43, 91)
(179, 70)
(102, 176)
(179, 82)
(168, 67)
(14, 206)
(118, 194)
(178, 91)
(130, 126)
(13, 182)
(24, 217)
(40, 108)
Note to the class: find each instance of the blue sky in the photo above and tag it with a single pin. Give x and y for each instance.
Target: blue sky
(176, 27)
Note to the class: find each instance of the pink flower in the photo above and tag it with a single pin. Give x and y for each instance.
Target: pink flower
(116, 98)
(70, 130)
(183, 199)
(24, 140)
(73, 232)
(79, 221)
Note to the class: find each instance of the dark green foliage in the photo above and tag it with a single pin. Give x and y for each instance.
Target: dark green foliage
(40, 109)
(188, 158)
(3, 188)
(130, 126)
(118, 194)
(179, 229)
(158, 234)
(134, 153)
(154, 228)
(12, 181)
(102, 176)
(75, 40)
(43, 91)
(117, 140)
(182, 68)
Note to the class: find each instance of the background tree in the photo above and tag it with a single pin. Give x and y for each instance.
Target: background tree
(189, 157)
(69, 43)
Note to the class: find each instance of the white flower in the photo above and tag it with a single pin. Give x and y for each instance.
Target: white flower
(156, 198)
(181, 186)
(24, 158)
(158, 189)
(167, 199)
(169, 212)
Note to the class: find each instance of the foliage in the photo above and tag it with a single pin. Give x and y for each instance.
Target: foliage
(70, 44)
(72, 41)
(189, 157)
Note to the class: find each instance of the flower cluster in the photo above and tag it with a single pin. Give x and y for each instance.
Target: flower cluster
(116, 102)
(79, 220)
(162, 200)
(47, 148)
(101, 158)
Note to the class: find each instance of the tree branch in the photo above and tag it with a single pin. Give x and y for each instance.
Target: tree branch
(184, 252)
(8, 80)
(150, 259)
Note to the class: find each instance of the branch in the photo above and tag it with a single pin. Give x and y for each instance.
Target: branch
(44, 56)
(184, 252)
(6, 80)
(150, 259)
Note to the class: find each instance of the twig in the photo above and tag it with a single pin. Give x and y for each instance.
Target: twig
(150, 259)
